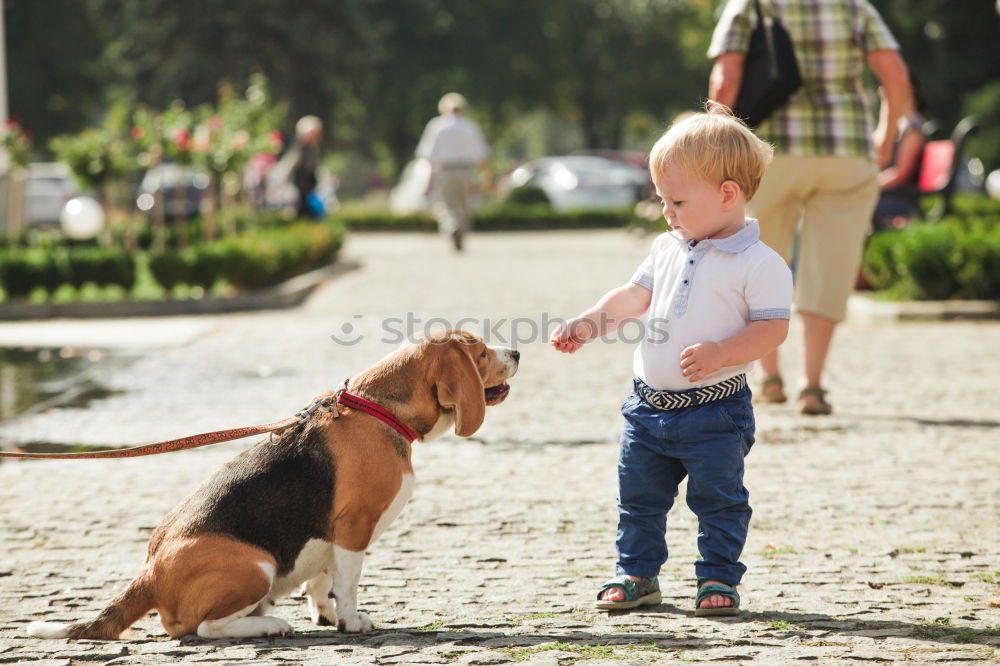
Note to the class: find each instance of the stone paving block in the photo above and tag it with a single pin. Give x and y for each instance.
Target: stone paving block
(873, 539)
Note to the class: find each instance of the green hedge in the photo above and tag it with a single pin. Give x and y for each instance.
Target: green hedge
(22, 271)
(251, 260)
(958, 257)
(495, 218)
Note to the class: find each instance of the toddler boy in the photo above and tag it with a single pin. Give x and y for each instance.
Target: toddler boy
(717, 299)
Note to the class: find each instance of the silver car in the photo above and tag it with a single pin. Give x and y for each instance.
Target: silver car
(47, 188)
(578, 182)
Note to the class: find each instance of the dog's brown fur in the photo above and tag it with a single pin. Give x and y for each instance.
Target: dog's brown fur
(331, 480)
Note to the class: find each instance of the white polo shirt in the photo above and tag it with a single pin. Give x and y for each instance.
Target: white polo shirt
(453, 140)
(706, 291)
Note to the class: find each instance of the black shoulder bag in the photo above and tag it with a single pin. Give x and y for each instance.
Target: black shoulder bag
(770, 72)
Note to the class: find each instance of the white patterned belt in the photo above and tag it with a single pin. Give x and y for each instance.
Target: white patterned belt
(667, 400)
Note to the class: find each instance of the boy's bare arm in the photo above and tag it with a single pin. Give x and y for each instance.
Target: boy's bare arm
(757, 339)
(610, 312)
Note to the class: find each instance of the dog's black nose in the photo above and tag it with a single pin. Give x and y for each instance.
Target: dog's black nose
(516, 355)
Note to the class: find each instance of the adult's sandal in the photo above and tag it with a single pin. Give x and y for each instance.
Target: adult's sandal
(817, 407)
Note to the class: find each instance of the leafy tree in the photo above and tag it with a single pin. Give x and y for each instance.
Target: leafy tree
(52, 47)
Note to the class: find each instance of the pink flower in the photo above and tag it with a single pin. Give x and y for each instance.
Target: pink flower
(138, 133)
(215, 123)
(181, 138)
(276, 139)
(240, 140)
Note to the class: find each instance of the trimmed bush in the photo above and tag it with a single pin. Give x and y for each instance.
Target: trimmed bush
(21, 271)
(528, 195)
(24, 270)
(503, 217)
(169, 268)
(955, 258)
(252, 260)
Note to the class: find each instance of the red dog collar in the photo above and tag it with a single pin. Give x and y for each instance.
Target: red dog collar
(370, 408)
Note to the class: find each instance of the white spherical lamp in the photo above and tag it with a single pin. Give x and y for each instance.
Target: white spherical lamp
(993, 181)
(82, 218)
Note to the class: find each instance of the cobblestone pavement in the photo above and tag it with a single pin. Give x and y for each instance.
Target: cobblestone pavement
(875, 535)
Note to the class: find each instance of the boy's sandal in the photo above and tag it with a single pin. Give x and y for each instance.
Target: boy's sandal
(642, 592)
(819, 407)
(706, 591)
(772, 390)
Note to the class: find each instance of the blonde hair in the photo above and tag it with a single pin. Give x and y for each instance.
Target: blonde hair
(715, 146)
(451, 102)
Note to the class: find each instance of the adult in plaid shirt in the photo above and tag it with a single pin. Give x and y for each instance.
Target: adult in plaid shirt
(826, 157)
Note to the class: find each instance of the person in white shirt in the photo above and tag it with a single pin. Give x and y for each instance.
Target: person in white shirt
(716, 299)
(455, 147)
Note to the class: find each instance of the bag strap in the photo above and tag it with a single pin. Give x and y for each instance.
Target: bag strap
(761, 15)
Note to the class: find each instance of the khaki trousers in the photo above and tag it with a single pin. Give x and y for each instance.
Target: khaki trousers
(451, 208)
(830, 201)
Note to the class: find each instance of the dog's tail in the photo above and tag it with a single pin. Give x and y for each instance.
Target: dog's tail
(129, 606)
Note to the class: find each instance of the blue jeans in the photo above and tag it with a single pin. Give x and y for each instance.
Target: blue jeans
(707, 444)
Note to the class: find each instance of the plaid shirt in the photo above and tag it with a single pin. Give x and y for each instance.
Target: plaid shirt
(829, 114)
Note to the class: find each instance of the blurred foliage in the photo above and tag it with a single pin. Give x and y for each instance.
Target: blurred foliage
(958, 257)
(498, 217)
(16, 142)
(256, 258)
(616, 71)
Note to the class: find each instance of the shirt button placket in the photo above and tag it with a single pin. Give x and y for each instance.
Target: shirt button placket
(685, 290)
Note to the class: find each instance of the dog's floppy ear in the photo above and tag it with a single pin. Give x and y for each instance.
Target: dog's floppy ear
(460, 388)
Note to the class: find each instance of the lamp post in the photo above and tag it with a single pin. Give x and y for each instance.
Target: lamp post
(3, 85)
(3, 68)
(6, 184)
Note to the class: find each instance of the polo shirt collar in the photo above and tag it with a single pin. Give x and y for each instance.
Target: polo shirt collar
(736, 243)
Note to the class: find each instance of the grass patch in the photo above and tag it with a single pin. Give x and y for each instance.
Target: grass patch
(782, 625)
(933, 580)
(538, 616)
(941, 628)
(433, 626)
(989, 579)
(585, 651)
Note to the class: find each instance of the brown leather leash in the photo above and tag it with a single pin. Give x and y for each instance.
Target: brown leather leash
(328, 404)
(192, 442)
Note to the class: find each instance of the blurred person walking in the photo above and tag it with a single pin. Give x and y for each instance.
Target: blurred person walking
(823, 180)
(299, 166)
(454, 146)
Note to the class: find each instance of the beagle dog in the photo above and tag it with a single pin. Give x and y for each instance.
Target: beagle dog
(301, 510)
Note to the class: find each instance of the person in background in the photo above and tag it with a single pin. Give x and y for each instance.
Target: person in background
(898, 180)
(299, 166)
(454, 146)
(825, 169)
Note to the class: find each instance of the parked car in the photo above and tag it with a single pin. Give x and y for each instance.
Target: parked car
(47, 188)
(183, 188)
(583, 181)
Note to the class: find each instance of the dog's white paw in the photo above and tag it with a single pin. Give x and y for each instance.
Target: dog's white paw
(275, 626)
(244, 627)
(358, 624)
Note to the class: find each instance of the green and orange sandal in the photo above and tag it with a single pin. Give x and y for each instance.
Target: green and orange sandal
(817, 407)
(706, 591)
(642, 592)
(772, 391)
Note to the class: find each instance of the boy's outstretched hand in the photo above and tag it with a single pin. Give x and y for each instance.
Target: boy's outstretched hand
(567, 338)
(700, 360)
